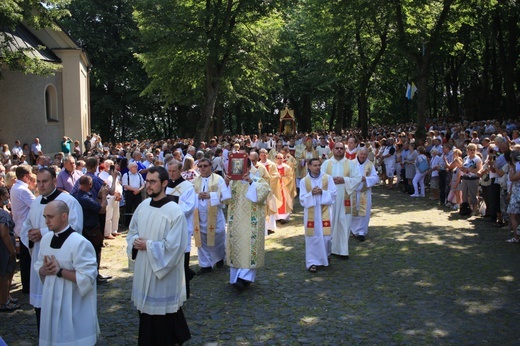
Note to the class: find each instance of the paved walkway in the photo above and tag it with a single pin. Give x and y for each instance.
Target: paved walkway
(423, 277)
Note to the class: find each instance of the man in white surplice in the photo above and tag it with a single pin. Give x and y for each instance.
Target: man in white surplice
(317, 195)
(157, 239)
(186, 198)
(34, 227)
(209, 223)
(346, 177)
(67, 266)
(363, 202)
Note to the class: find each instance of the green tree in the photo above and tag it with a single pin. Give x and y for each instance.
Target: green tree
(423, 27)
(249, 91)
(107, 31)
(189, 46)
(33, 14)
(335, 48)
(306, 62)
(506, 23)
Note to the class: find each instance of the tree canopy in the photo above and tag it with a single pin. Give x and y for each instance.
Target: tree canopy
(165, 68)
(35, 15)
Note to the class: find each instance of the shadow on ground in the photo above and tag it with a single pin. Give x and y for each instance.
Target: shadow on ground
(423, 277)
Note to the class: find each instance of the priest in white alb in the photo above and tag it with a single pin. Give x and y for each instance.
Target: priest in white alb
(363, 196)
(34, 227)
(67, 267)
(209, 222)
(346, 177)
(184, 194)
(317, 196)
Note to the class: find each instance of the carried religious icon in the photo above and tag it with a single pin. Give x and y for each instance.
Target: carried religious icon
(237, 165)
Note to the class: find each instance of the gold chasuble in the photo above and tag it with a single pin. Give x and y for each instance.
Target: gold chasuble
(325, 215)
(291, 161)
(245, 246)
(361, 209)
(212, 211)
(349, 203)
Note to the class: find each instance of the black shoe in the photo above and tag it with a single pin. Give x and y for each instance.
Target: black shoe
(361, 238)
(283, 222)
(204, 270)
(104, 277)
(102, 282)
(220, 263)
(269, 232)
(343, 257)
(239, 285)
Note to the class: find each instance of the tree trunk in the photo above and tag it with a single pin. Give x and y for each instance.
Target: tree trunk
(340, 111)
(363, 109)
(210, 99)
(219, 119)
(452, 88)
(369, 68)
(348, 111)
(306, 112)
(508, 54)
(238, 117)
(422, 99)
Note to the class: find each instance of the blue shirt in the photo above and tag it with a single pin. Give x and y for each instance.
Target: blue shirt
(97, 184)
(90, 208)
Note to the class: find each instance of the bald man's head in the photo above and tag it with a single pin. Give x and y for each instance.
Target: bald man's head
(56, 215)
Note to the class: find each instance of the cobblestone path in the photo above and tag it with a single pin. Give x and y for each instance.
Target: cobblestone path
(424, 276)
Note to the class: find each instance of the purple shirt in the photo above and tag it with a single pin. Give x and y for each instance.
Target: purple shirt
(66, 180)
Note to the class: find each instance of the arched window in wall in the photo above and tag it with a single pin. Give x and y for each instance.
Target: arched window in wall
(51, 103)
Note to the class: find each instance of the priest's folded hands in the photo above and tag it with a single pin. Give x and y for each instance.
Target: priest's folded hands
(317, 191)
(50, 266)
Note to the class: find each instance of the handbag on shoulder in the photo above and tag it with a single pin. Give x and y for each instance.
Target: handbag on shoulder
(423, 166)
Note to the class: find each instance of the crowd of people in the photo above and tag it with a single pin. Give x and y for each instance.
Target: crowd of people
(227, 195)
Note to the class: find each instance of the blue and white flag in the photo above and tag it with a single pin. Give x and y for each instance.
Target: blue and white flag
(410, 90)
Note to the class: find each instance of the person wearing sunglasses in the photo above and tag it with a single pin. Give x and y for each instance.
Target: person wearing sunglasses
(209, 222)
